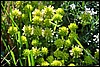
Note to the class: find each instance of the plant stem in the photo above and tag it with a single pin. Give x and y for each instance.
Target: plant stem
(85, 50)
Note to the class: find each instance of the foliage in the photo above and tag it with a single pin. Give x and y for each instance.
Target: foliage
(49, 33)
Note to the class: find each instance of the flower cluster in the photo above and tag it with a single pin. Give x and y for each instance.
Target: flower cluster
(37, 20)
(59, 43)
(27, 30)
(36, 52)
(72, 26)
(88, 60)
(50, 59)
(37, 12)
(28, 7)
(60, 11)
(45, 63)
(35, 42)
(56, 63)
(96, 55)
(44, 50)
(61, 55)
(26, 52)
(76, 51)
(63, 31)
(47, 32)
(16, 12)
(23, 39)
(67, 43)
(37, 31)
(12, 30)
(48, 12)
(71, 64)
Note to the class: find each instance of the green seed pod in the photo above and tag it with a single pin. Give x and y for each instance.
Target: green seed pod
(60, 11)
(23, 39)
(12, 30)
(63, 31)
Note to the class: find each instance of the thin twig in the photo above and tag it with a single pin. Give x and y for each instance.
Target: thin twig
(8, 54)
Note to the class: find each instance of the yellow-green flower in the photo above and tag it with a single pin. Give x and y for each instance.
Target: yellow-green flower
(96, 55)
(72, 26)
(45, 63)
(27, 30)
(44, 50)
(67, 43)
(37, 12)
(57, 17)
(23, 39)
(35, 42)
(47, 32)
(56, 63)
(47, 22)
(71, 64)
(59, 43)
(48, 11)
(12, 30)
(37, 20)
(63, 31)
(36, 52)
(26, 52)
(16, 12)
(76, 51)
(28, 7)
(60, 11)
(37, 31)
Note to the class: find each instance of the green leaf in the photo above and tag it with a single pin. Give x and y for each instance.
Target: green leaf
(13, 57)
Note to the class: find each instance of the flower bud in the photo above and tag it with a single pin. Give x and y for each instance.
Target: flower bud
(45, 63)
(28, 7)
(59, 43)
(57, 17)
(56, 63)
(12, 30)
(26, 52)
(60, 11)
(63, 31)
(35, 42)
(72, 26)
(44, 50)
(71, 64)
(23, 39)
